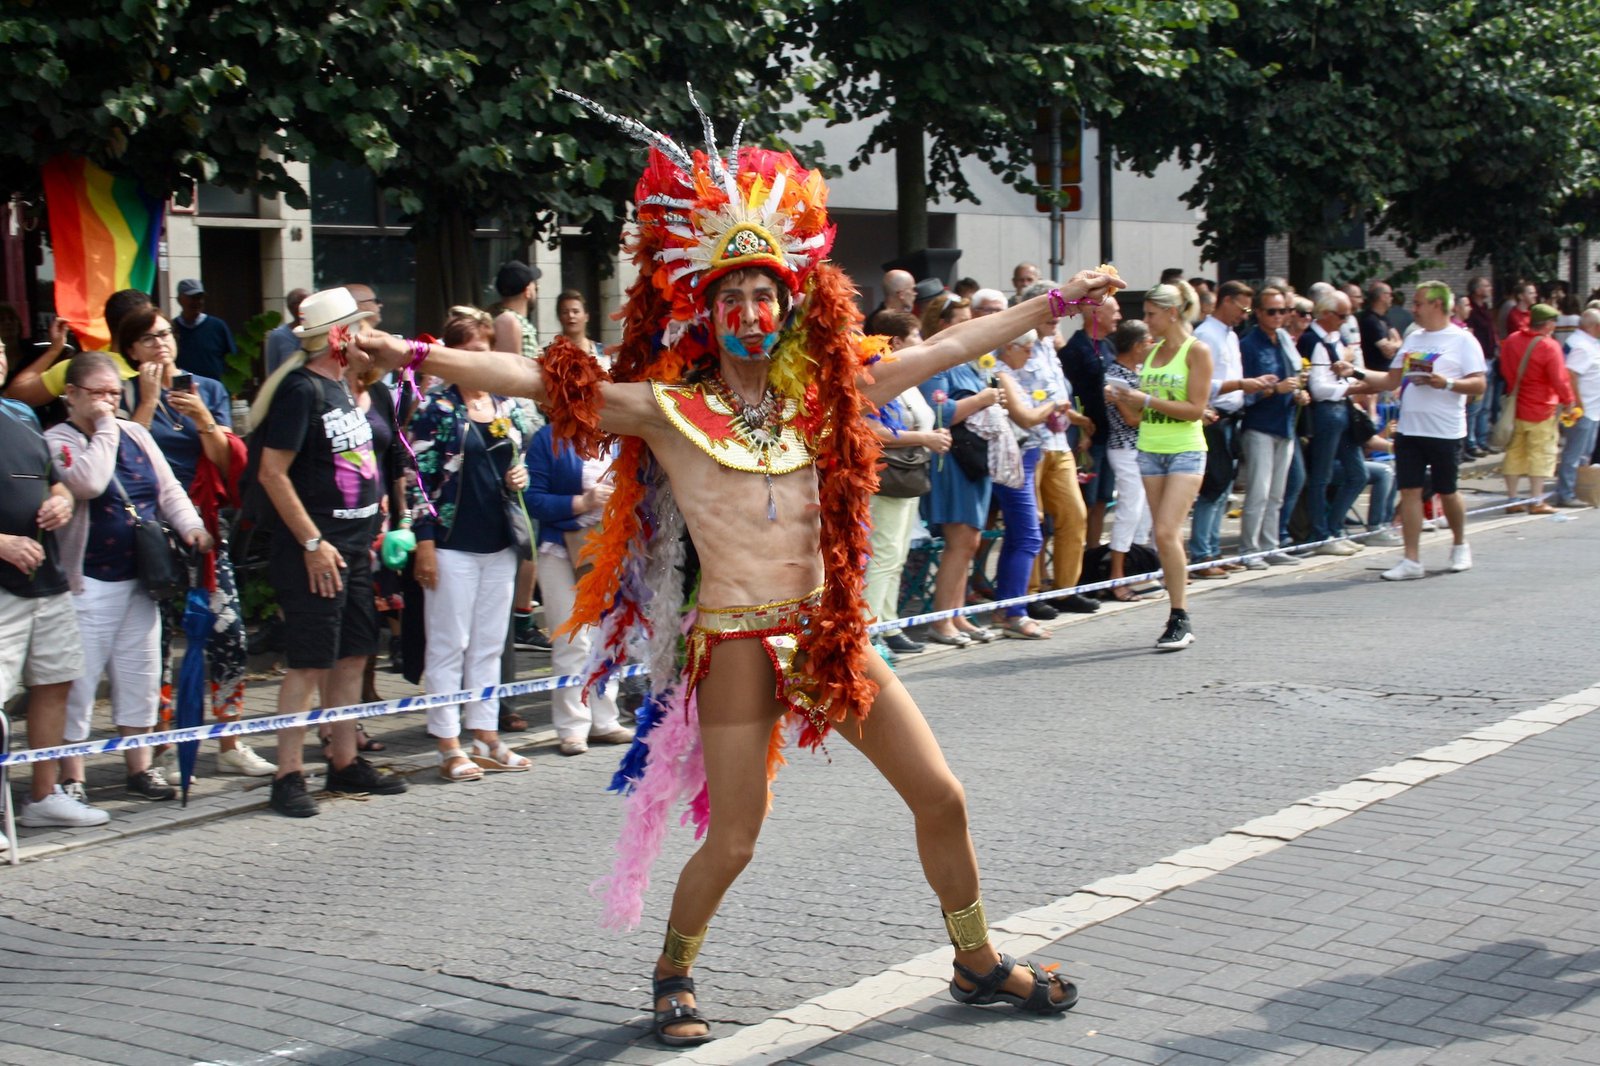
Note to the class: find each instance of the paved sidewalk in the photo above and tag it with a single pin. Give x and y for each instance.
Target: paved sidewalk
(1457, 922)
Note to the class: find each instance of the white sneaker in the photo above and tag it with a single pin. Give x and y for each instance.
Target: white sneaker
(60, 809)
(1460, 558)
(1282, 559)
(76, 791)
(241, 760)
(1389, 538)
(1353, 545)
(1405, 570)
(1334, 547)
(1258, 563)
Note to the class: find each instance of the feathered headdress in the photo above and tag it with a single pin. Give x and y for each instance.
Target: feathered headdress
(700, 216)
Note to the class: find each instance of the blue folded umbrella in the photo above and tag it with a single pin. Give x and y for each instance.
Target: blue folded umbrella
(189, 704)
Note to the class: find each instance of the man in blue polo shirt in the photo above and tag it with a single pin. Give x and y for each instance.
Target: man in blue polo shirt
(204, 341)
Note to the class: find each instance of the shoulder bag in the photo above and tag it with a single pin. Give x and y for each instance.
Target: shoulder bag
(159, 558)
(904, 474)
(1505, 424)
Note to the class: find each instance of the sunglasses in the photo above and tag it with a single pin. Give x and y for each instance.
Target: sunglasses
(1273, 311)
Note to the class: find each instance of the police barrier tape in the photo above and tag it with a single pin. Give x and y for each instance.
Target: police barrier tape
(273, 723)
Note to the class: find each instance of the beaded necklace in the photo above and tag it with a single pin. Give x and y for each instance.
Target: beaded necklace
(760, 424)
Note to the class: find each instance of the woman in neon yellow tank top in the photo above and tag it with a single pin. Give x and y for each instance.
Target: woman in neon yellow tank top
(1174, 385)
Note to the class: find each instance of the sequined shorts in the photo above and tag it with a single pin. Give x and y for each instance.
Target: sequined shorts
(781, 627)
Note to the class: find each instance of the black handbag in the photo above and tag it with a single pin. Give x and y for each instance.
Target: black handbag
(159, 557)
(905, 473)
(970, 451)
(520, 524)
(1362, 428)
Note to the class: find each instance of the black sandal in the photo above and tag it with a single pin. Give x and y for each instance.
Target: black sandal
(989, 989)
(676, 1012)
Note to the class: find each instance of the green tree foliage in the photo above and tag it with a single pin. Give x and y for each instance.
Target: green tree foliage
(1470, 121)
(969, 78)
(450, 103)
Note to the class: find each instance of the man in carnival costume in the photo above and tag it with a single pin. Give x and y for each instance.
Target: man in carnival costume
(738, 391)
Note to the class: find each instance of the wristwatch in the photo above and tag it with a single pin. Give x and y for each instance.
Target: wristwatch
(1358, 373)
(313, 544)
(1449, 384)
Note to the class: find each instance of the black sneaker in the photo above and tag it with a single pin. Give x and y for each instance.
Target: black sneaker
(1041, 611)
(1178, 634)
(362, 776)
(290, 798)
(151, 784)
(901, 644)
(1078, 603)
(526, 635)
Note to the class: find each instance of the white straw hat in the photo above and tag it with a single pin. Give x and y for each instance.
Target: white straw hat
(321, 311)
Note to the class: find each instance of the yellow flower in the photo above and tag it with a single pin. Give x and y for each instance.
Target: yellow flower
(986, 361)
(1040, 395)
(500, 427)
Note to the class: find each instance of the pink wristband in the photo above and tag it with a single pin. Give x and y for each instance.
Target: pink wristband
(419, 352)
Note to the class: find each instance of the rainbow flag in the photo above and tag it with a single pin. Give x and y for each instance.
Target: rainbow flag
(104, 230)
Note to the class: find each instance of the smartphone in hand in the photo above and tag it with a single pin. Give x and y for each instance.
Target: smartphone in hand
(182, 382)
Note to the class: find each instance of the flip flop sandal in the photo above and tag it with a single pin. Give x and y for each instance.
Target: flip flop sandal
(366, 743)
(499, 760)
(1131, 597)
(676, 1012)
(454, 766)
(989, 988)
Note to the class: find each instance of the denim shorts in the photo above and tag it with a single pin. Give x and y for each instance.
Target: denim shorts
(1160, 464)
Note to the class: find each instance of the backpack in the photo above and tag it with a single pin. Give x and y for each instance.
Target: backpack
(1141, 559)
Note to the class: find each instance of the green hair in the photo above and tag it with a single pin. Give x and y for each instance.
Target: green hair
(1437, 292)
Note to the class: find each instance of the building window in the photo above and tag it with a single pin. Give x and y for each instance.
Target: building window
(357, 237)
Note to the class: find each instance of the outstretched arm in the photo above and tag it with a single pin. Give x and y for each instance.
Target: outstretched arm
(961, 342)
(626, 408)
(497, 372)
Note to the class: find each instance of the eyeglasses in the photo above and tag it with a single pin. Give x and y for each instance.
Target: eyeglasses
(1272, 311)
(151, 338)
(109, 394)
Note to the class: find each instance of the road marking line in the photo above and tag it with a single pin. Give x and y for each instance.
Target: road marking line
(905, 984)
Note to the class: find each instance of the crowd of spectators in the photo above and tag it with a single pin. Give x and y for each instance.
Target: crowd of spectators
(1102, 441)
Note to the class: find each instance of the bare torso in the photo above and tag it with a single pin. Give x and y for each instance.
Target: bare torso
(745, 558)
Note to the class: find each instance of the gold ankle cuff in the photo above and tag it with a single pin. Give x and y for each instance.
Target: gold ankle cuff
(682, 950)
(968, 928)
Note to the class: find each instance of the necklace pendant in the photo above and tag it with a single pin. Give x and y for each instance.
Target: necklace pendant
(772, 504)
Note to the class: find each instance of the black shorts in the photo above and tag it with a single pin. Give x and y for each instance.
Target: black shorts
(1417, 457)
(320, 630)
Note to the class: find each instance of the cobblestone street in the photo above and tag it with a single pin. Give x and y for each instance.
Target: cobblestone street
(1448, 922)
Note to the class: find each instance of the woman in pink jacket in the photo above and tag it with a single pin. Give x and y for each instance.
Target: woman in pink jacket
(115, 467)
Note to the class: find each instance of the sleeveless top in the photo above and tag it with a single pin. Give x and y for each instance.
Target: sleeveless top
(1160, 433)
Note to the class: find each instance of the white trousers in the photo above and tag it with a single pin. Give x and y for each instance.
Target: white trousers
(121, 632)
(1131, 517)
(892, 522)
(467, 615)
(571, 716)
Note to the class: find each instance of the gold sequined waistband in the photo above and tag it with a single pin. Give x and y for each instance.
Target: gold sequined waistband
(746, 618)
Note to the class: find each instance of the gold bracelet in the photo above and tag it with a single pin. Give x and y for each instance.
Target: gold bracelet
(968, 928)
(680, 950)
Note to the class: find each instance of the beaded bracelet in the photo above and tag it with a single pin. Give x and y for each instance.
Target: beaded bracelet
(1060, 306)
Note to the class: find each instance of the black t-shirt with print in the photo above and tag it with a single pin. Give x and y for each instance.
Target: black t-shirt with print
(25, 479)
(334, 472)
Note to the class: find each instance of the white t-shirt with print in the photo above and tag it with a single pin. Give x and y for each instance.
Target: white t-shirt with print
(1424, 410)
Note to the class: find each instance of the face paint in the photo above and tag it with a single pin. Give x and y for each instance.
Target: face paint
(733, 324)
